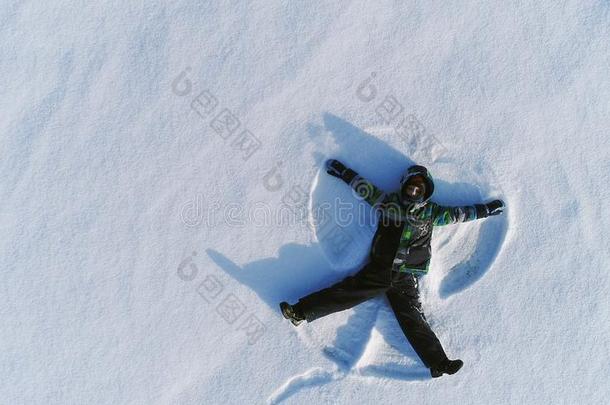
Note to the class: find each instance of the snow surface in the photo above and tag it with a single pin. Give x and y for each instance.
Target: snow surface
(139, 264)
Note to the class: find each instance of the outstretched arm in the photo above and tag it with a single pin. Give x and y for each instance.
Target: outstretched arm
(364, 188)
(443, 215)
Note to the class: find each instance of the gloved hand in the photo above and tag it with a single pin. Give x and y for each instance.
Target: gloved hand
(335, 168)
(495, 207)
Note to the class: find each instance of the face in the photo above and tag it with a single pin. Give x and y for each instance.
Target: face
(415, 188)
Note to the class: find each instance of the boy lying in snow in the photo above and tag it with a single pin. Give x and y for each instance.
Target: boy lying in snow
(400, 252)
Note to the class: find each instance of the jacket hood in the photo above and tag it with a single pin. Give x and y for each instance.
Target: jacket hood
(417, 170)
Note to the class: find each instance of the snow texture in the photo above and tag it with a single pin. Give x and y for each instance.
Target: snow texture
(162, 173)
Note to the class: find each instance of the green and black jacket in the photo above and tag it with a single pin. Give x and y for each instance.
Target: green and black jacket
(403, 236)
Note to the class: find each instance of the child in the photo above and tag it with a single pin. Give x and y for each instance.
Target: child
(400, 252)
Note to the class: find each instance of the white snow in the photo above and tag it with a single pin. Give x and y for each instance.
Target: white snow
(128, 224)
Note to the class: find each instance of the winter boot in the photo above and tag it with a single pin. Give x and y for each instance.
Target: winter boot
(446, 367)
(293, 314)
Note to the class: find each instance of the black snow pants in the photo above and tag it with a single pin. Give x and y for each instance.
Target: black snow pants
(402, 292)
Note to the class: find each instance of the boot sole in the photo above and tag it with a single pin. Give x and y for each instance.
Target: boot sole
(286, 309)
(437, 373)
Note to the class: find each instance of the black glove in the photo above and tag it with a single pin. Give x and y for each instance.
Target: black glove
(496, 207)
(335, 168)
(338, 169)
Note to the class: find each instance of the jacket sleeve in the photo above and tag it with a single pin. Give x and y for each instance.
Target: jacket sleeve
(364, 188)
(445, 215)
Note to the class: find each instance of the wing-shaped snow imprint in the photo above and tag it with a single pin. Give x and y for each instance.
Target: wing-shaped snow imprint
(463, 253)
(370, 343)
